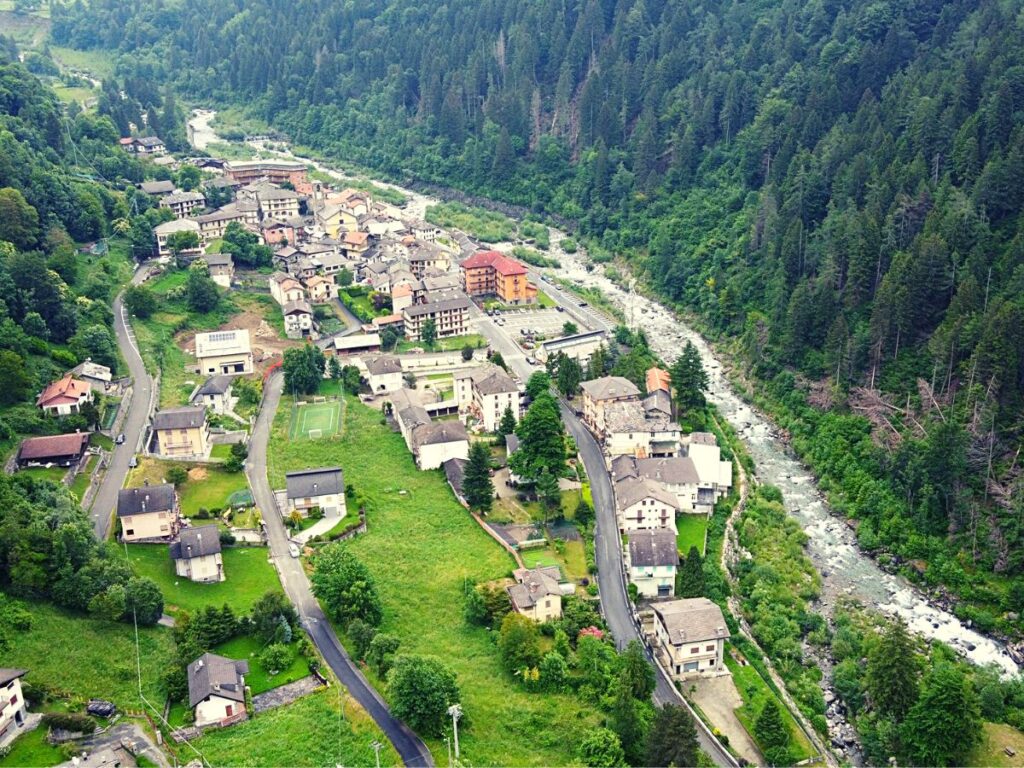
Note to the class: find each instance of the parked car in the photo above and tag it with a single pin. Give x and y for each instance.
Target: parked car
(560, 308)
(293, 549)
(531, 361)
(119, 439)
(133, 462)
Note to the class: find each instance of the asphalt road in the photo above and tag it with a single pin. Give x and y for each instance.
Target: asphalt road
(134, 425)
(615, 603)
(410, 748)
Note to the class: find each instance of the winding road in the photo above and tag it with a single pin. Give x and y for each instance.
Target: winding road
(134, 425)
(409, 746)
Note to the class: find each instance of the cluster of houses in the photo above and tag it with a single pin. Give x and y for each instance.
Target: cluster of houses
(658, 474)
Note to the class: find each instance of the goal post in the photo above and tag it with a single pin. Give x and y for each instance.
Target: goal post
(315, 434)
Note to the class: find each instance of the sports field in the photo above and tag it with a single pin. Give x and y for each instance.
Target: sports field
(314, 421)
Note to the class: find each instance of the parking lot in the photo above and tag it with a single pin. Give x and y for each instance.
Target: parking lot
(545, 322)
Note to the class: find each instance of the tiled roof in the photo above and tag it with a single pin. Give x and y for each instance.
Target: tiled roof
(499, 262)
(692, 620)
(53, 446)
(148, 498)
(65, 391)
(196, 542)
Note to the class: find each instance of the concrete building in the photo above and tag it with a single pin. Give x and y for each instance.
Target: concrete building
(64, 396)
(712, 472)
(163, 231)
(197, 555)
(216, 690)
(215, 394)
(182, 204)
(298, 320)
(691, 637)
(629, 430)
(598, 394)
(485, 393)
(643, 504)
(13, 714)
(383, 373)
(148, 513)
(451, 318)
(308, 488)
(274, 171)
(652, 557)
(491, 273)
(98, 377)
(222, 268)
(579, 346)
(437, 441)
(537, 594)
(224, 352)
(182, 432)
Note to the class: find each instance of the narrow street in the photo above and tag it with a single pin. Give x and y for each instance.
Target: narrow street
(409, 746)
(134, 426)
(607, 547)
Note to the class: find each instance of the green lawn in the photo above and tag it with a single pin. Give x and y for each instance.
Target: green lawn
(991, 752)
(423, 550)
(207, 486)
(572, 561)
(691, 530)
(98, 63)
(32, 750)
(314, 731)
(81, 657)
(68, 94)
(249, 577)
(81, 482)
(754, 691)
(102, 441)
(359, 301)
(221, 451)
(55, 474)
(260, 679)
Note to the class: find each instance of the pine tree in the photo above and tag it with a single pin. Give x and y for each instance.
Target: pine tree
(690, 575)
(477, 486)
(507, 426)
(891, 674)
(541, 440)
(945, 723)
(689, 380)
(672, 739)
(547, 490)
(504, 158)
(771, 733)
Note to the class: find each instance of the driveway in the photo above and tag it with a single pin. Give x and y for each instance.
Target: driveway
(718, 699)
(134, 428)
(408, 745)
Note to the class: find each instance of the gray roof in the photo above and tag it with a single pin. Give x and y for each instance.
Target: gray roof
(455, 472)
(609, 387)
(310, 483)
(416, 310)
(633, 489)
(511, 444)
(658, 401)
(216, 385)
(211, 674)
(377, 366)
(7, 674)
(184, 197)
(492, 380)
(534, 585)
(301, 306)
(196, 542)
(157, 187)
(180, 418)
(703, 438)
(631, 416)
(438, 432)
(576, 338)
(218, 260)
(692, 620)
(653, 548)
(148, 498)
(149, 141)
(676, 470)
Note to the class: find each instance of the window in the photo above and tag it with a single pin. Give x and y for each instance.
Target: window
(695, 649)
(129, 532)
(710, 648)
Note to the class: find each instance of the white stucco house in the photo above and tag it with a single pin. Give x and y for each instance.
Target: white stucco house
(216, 690)
(197, 555)
(691, 637)
(652, 557)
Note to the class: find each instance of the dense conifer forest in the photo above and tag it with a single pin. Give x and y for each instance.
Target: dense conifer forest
(832, 187)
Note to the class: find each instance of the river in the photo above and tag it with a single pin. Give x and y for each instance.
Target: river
(845, 570)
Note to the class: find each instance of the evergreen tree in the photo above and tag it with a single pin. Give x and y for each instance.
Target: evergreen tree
(945, 723)
(504, 164)
(771, 733)
(569, 375)
(891, 674)
(477, 486)
(636, 672)
(689, 380)
(507, 426)
(672, 739)
(690, 575)
(541, 441)
(428, 335)
(627, 722)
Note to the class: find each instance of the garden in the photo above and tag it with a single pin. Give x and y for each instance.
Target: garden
(202, 487)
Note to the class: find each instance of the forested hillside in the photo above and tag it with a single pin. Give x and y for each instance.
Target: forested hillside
(61, 177)
(835, 184)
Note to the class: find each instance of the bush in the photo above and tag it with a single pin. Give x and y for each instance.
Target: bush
(274, 658)
(177, 475)
(69, 721)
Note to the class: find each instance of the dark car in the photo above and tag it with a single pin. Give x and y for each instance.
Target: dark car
(119, 439)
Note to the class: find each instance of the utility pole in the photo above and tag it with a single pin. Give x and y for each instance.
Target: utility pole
(448, 743)
(455, 710)
(376, 748)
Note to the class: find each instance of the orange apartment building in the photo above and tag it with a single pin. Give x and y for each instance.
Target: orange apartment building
(490, 273)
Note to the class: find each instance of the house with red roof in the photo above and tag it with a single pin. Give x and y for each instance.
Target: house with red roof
(64, 396)
(491, 273)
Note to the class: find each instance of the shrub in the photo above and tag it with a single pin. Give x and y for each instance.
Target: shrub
(274, 658)
(69, 721)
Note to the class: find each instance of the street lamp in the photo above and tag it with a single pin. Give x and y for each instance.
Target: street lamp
(376, 745)
(455, 710)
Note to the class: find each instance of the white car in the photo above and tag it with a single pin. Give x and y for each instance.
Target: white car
(293, 549)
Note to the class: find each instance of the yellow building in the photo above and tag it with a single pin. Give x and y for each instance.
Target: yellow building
(181, 432)
(147, 513)
(537, 595)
